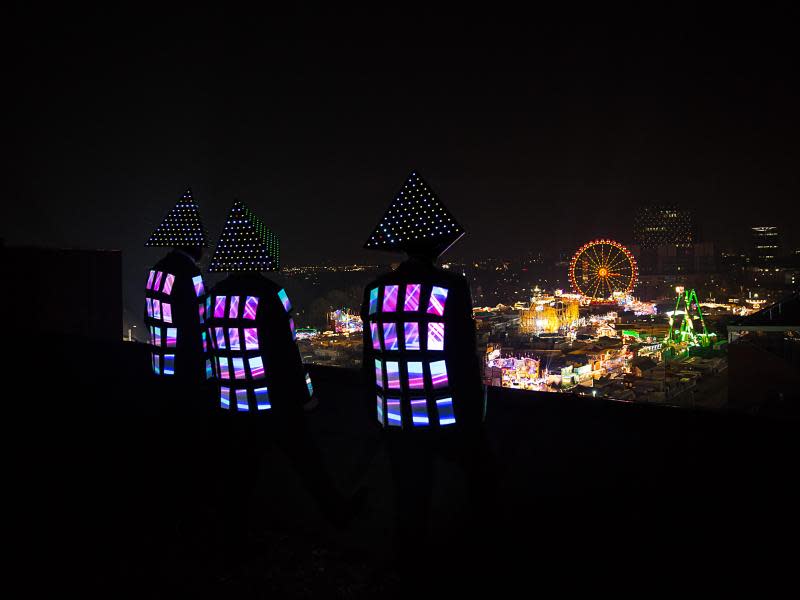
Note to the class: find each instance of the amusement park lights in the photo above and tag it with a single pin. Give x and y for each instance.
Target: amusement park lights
(602, 269)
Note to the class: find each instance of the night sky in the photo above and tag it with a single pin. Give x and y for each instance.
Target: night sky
(536, 133)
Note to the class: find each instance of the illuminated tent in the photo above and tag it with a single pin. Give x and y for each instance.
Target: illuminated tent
(416, 222)
(246, 244)
(182, 227)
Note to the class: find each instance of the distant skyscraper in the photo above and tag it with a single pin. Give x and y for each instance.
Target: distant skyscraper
(766, 244)
(664, 225)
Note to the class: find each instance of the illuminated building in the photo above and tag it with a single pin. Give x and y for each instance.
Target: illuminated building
(343, 321)
(666, 225)
(766, 245)
(541, 317)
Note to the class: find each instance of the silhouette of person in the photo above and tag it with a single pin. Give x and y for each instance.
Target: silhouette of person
(421, 364)
(262, 385)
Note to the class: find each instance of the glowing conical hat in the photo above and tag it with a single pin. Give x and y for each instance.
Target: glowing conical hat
(245, 244)
(182, 227)
(416, 222)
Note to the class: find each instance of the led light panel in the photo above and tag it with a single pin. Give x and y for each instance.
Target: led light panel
(439, 374)
(181, 227)
(256, 364)
(373, 301)
(241, 400)
(390, 336)
(199, 288)
(393, 374)
(435, 336)
(411, 334)
(419, 412)
(166, 312)
(219, 307)
(233, 311)
(444, 407)
(416, 378)
(376, 342)
(390, 298)
(393, 412)
(250, 338)
(168, 283)
(436, 303)
(233, 338)
(411, 303)
(262, 398)
(287, 305)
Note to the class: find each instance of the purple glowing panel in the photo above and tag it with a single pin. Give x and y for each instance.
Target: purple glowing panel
(250, 338)
(393, 410)
(209, 370)
(204, 338)
(199, 289)
(156, 309)
(411, 331)
(256, 367)
(444, 407)
(419, 412)
(219, 307)
(156, 336)
(373, 301)
(166, 312)
(172, 337)
(150, 280)
(439, 374)
(285, 300)
(149, 304)
(250, 307)
(379, 411)
(378, 373)
(157, 284)
(238, 367)
(376, 341)
(436, 303)
(233, 338)
(390, 298)
(169, 364)
(233, 311)
(156, 364)
(291, 327)
(435, 336)
(412, 297)
(168, 283)
(211, 339)
(219, 334)
(241, 400)
(390, 336)
(202, 311)
(223, 368)
(393, 374)
(416, 378)
(224, 397)
(262, 398)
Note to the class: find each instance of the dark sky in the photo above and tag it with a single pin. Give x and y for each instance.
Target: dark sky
(536, 132)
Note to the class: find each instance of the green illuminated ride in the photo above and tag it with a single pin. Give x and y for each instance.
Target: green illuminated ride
(682, 329)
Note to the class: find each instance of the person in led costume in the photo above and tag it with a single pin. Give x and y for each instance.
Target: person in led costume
(421, 364)
(261, 383)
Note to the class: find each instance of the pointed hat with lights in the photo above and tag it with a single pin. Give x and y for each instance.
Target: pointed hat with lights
(182, 227)
(245, 244)
(416, 222)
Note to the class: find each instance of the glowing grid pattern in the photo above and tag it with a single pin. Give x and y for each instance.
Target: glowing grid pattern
(262, 398)
(166, 312)
(149, 303)
(256, 367)
(199, 288)
(378, 373)
(444, 407)
(411, 302)
(393, 374)
(219, 307)
(157, 284)
(172, 337)
(241, 400)
(419, 412)
(393, 410)
(233, 338)
(439, 374)
(233, 310)
(169, 364)
(223, 368)
(411, 331)
(225, 397)
(416, 378)
(168, 283)
(219, 333)
(149, 284)
(435, 336)
(380, 411)
(287, 305)
(250, 307)
(245, 244)
(156, 309)
(181, 227)
(238, 367)
(436, 303)
(390, 336)
(376, 342)
(373, 301)
(390, 298)
(250, 338)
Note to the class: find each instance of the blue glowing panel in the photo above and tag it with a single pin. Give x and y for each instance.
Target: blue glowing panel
(204, 338)
(168, 283)
(285, 300)
(238, 367)
(199, 289)
(373, 301)
(416, 378)
(149, 303)
(219, 334)
(169, 364)
(439, 374)
(444, 407)
(376, 341)
(390, 298)
(393, 374)
(233, 338)
(393, 410)
(156, 364)
(149, 285)
(156, 309)
(156, 336)
(262, 398)
(419, 412)
(256, 367)
(233, 310)
(378, 373)
(435, 336)
(157, 284)
(436, 303)
(390, 336)
(166, 312)
(241, 400)
(223, 368)
(250, 307)
(380, 411)
(172, 337)
(208, 306)
(250, 338)
(224, 396)
(412, 297)
(202, 311)
(219, 307)
(411, 331)
(309, 385)
(209, 370)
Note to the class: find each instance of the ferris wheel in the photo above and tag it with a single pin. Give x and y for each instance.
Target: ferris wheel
(601, 269)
